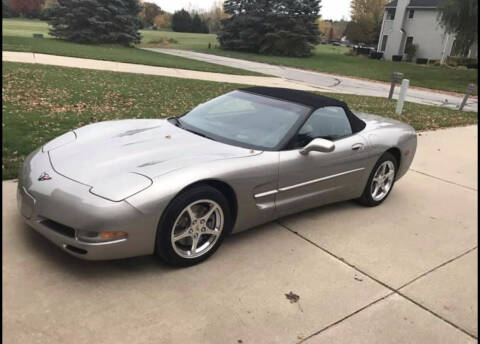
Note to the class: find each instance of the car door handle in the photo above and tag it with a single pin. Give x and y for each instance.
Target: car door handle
(357, 147)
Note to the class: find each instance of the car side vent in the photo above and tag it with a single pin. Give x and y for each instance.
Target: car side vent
(59, 228)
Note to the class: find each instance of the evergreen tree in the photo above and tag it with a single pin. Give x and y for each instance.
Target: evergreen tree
(197, 23)
(97, 21)
(281, 27)
(182, 21)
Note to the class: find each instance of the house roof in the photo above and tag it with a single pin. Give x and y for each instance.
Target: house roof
(417, 3)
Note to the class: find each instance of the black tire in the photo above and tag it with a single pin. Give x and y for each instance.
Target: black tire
(366, 199)
(164, 247)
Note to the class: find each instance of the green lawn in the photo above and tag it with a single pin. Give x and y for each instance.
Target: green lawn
(17, 36)
(42, 102)
(331, 59)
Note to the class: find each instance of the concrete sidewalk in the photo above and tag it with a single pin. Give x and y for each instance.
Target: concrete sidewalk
(403, 272)
(75, 62)
(330, 82)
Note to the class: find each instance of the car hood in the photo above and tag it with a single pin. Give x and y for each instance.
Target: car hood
(113, 154)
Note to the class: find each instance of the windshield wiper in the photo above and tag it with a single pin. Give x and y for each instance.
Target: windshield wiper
(176, 122)
(198, 133)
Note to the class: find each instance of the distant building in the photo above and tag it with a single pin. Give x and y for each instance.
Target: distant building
(416, 22)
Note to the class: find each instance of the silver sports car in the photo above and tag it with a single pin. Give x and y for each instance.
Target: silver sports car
(177, 187)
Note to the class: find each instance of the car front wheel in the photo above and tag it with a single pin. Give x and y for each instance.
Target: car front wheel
(380, 182)
(194, 226)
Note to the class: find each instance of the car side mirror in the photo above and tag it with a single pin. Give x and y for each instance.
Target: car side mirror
(318, 145)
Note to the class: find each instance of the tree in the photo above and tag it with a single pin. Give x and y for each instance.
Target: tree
(330, 35)
(199, 25)
(366, 24)
(48, 9)
(97, 21)
(149, 12)
(163, 21)
(28, 8)
(6, 10)
(214, 17)
(281, 27)
(460, 17)
(182, 21)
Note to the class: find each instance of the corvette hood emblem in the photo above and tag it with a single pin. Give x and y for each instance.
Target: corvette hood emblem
(44, 176)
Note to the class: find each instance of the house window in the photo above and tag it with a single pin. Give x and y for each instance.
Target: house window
(384, 43)
(408, 43)
(410, 14)
(390, 13)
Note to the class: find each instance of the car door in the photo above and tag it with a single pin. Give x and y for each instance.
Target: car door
(307, 181)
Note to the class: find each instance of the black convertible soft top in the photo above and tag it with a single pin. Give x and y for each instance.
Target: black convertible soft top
(312, 100)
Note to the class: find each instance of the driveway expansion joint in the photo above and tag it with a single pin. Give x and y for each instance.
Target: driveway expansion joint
(444, 180)
(438, 267)
(393, 290)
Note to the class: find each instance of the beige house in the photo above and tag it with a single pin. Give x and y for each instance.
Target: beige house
(416, 22)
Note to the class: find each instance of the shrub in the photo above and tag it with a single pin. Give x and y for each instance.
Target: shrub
(362, 50)
(456, 61)
(377, 55)
(397, 58)
(421, 61)
(351, 52)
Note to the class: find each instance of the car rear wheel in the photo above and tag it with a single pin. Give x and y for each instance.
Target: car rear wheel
(193, 226)
(380, 182)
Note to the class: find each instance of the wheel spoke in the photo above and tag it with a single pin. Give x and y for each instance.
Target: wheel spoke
(194, 244)
(209, 212)
(383, 170)
(376, 189)
(211, 232)
(191, 213)
(184, 234)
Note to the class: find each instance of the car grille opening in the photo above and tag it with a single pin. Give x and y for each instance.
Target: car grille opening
(59, 228)
(76, 249)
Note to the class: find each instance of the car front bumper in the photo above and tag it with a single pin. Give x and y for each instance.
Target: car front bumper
(61, 209)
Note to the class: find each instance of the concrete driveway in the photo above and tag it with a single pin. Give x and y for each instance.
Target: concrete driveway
(403, 272)
(329, 82)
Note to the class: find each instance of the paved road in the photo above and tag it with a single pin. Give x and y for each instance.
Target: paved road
(333, 83)
(403, 272)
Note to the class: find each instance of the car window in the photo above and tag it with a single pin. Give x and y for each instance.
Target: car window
(330, 122)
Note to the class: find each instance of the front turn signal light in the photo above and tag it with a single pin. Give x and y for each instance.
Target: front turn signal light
(113, 235)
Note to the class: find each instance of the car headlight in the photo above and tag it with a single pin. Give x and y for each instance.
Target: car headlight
(117, 188)
(59, 141)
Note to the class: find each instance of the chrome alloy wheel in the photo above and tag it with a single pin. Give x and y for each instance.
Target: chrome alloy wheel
(197, 228)
(382, 180)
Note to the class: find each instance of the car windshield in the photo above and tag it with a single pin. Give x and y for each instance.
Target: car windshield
(245, 119)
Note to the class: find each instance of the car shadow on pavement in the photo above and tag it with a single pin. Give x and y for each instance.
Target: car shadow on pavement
(57, 258)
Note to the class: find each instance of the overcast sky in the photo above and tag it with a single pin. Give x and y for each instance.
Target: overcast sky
(331, 9)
